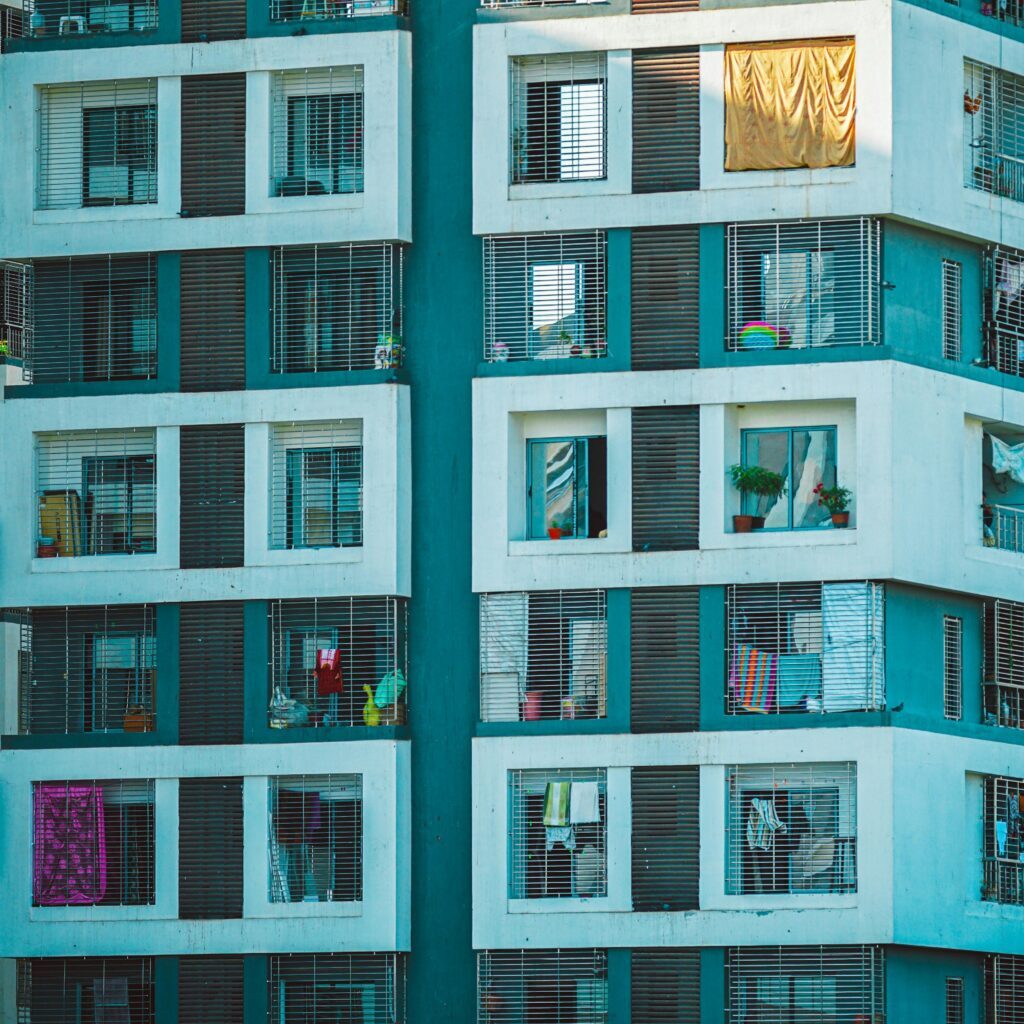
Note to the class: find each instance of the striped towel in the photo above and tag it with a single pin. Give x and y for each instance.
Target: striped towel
(556, 804)
(752, 678)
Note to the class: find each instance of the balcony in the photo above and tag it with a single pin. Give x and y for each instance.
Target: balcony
(76, 18)
(1003, 870)
(993, 148)
(330, 10)
(15, 309)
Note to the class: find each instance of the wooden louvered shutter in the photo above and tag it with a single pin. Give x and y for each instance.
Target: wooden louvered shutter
(207, 21)
(212, 145)
(213, 320)
(666, 120)
(212, 648)
(665, 660)
(210, 848)
(666, 478)
(666, 838)
(664, 6)
(665, 986)
(665, 308)
(212, 490)
(211, 990)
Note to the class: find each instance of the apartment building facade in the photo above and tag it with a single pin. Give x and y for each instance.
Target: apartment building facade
(422, 598)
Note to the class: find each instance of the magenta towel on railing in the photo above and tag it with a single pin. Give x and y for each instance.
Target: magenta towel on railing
(752, 677)
(70, 855)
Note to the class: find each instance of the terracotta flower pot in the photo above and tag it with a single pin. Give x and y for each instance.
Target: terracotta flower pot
(555, 532)
(758, 522)
(840, 520)
(743, 524)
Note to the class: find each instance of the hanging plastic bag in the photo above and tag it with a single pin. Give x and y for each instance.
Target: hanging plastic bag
(285, 712)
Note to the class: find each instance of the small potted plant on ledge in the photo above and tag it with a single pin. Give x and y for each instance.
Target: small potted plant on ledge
(837, 501)
(760, 482)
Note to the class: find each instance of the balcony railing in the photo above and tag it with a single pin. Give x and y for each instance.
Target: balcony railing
(1004, 705)
(299, 10)
(1003, 527)
(538, 3)
(1003, 881)
(42, 18)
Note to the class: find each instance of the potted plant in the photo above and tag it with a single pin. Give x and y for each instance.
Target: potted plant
(555, 530)
(837, 501)
(760, 482)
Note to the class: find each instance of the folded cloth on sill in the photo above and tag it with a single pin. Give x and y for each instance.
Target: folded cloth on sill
(110, 1001)
(328, 672)
(564, 834)
(584, 804)
(752, 677)
(763, 823)
(556, 804)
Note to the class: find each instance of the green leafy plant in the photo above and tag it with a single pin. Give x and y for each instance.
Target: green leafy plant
(835, 499)
(756, 480)
(4, 348)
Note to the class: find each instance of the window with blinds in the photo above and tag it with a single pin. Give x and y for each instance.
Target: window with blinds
(338, 661)
(87, 670)
(993, 130)
(96, 493)
(56, 990)
(316, 838)
(211, 990)
(952, 667)
(76, 17)
(316, 132)
(543, 655)
(316, 488)
(952, 277)
(97, 144)
(208, 21)
(954, 1001)
(210, 847)
(803, 284)
(808, 983)
(1003, 844)
(1004, 989)
(1003, 663)
(542, 986)
(558, 834)
(212, 142)
(805, 647)
(17, 307)
(559, 121)
(791, 828)
(93, 843)
(211, 646)
(1004, 309)
(545, 296)
(296, 10)
(666, 120)
(95, 319)
(665, 986)
(337, 307)
(307, 988)
(212, 496)
(213, 320)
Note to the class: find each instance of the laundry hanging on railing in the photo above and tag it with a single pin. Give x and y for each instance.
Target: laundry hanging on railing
(1007, 458)
(70, 854)
(752, 678)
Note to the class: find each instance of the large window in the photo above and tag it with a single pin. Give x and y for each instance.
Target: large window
(1003, 851)
(1003, 666)
(993, 130)
(542, 986)
(337, 988)
(1004, 989)
(86, 990)
(567, 487)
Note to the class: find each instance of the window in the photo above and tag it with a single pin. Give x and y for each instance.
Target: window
(317, 132)
(543, 655)
(1004, 309)
(805, 647)
(952, 275)
(93, 843)
(1003, 666)
(97, 493)
(810, 984)
(16, 305)
(804, 457)
(1003, 840)
(337, 307)
(558, 118)
(558, 845)
(97, 144)
(567, 487)
(294, 10)
(317, 485)
(993, 130)
(338, 661)
(954, 1001)
(803, 284)
(53, 17)
(328, 988)
(953, 669)
(542, 986)
(1004, 989)
(86, 990)
(316, 838)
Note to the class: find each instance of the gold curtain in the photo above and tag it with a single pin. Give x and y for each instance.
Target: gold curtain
(790, 104)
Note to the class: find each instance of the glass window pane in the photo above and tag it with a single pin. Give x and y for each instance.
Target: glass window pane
(768, 449)
(553, 486)
(814, 462)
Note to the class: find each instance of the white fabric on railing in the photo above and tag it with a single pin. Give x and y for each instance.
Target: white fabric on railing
(1007, 458)
(853, 652)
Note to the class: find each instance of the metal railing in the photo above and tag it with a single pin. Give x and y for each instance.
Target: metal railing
(1002, 526)
(539, 3)
(42, 18)
(299, 10)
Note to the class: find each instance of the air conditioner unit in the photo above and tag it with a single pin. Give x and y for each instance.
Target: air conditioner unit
(71, 25)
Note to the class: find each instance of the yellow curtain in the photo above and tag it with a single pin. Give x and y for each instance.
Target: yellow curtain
(790, 104)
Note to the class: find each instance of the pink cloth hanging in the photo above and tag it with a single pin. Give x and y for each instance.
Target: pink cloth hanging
(70, 850)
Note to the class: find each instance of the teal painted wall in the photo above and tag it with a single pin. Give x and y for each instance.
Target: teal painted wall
(916, 984)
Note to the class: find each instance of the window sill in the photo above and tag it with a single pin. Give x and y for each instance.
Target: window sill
(567, 904)
(783, 901)
(89, 214)
(60, 915)
(98, 563)
(787, 538)
(566, 546)
(326, 908)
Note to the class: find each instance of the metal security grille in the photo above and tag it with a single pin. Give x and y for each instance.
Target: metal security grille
(805, 647)
(210, 846)
(88, 17)
(558, 852)
(535, 3)
(952, 275)
(952, 667)
(665, 986)
(316, 133)
(666, 838)
(663, 6)
(337, 307)
(542, 986)
(212, 144)
(791, 828)
(558, 117)
(545, 296)
(338, 661)
(207, 21)
(1004, 309)
(95, 320)
(13, 24)
(1004, 989)
(294, 10)
(316, 488)
(666, 478)
(84, 670)
(17, 319)
(993, 130)
(666, 120)
(1003, 667)
(211, 990)
(97, 144)
(212, 496)
(92, 843)
(803, 284)
(1003, 880)
(213, 320)
(313, 987)
(954, 1001)
(96, 493)
(211, 643)
(812, 984)
(56, 990)
(665, 303)
(543, 655)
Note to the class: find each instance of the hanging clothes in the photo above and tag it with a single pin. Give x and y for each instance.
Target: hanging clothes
(70, 852)
(1007, 458)
(752, 678)
(563, 834)
(556, 804)
(763, 824)
(584, 803)
(328, 672)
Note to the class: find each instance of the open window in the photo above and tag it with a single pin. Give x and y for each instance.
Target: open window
(567, 487)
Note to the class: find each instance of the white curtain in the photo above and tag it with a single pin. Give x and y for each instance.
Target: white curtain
(853, 647)
(504, 624)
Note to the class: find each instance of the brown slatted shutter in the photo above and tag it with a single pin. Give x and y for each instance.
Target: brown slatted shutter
(211, 990)
(666, 478)
(665, 986)
(212, 648)
(666, 120)
(665, 659)
(213, 320)
(664, 6)
(666, 838)
(212, 490)
(206, 21)
(665, 298)
(210, 844)
(212, 145)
